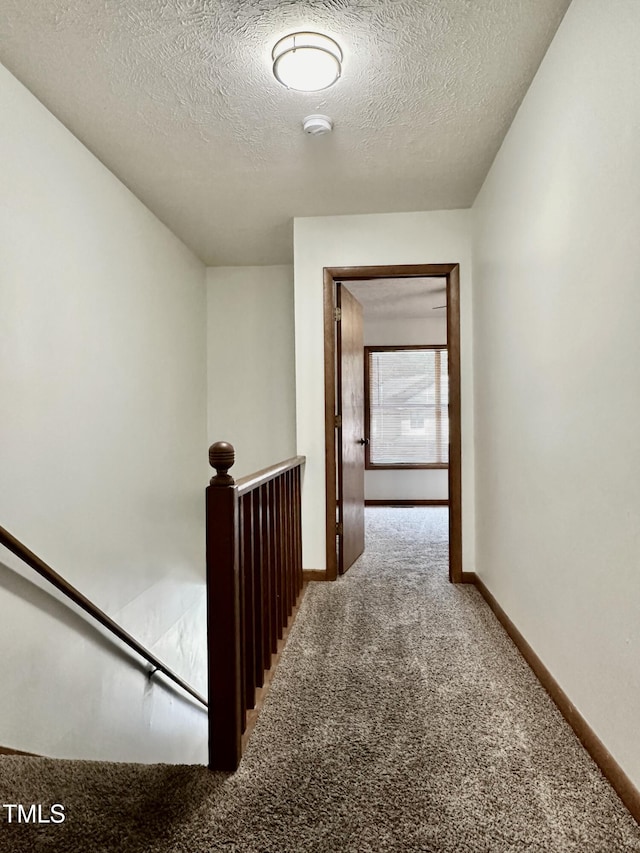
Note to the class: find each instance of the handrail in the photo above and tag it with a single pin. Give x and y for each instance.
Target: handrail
(253, 481)
(31, 559)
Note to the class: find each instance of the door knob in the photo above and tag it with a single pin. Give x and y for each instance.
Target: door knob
(364, 441)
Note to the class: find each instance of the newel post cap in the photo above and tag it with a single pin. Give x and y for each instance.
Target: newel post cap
(222, 455)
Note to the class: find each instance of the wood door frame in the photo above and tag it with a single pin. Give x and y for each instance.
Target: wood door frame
(451, 273)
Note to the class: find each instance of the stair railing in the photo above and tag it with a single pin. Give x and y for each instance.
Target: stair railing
(254, 580)
(16, 547)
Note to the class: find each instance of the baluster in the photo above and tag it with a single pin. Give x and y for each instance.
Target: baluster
(289, 520)
(223, 613)
(284, 549)
(258, 592)
(284, 567)
(267, 584)
(282, 592)
(273, 567)
(249, 602)
(292, 574)
(294, 528)
(243, 628)
(298, 532)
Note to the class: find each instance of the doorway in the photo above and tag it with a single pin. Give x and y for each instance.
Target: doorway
(343, 525)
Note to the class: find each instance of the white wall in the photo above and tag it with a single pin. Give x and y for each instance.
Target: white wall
(428, 483)
(251, 375)
(102, 451)
(377, 239)
(557, 302)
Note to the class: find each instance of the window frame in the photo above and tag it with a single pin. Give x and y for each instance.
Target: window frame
(395, 466)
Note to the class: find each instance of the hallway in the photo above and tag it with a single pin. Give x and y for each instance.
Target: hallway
(401, 718)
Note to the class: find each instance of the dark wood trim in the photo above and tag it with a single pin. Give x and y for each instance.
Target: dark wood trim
(452, 274)
(329, 422)
(455, 426)
(16, 547)
(392, 271)
(5, 750)
(367, 410)
(254, 481)
(396, 347)
(407, 502)
(610, 768)
(313, 575)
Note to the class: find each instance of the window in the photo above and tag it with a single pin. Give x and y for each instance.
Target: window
(407, 407)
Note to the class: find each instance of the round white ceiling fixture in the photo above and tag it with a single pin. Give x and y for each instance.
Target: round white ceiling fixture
(316, 125)
(307, 62)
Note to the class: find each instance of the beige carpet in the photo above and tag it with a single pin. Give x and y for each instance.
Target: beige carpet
(401, 719)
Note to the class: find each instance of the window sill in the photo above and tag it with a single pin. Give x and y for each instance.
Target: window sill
(400, 466)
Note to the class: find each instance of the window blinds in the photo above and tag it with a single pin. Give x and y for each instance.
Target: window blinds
(408, 407)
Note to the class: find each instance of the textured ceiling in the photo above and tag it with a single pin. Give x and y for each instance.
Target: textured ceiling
(401, 298)
(177, 98)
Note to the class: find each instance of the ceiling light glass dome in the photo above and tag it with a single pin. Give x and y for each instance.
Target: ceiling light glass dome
(307, 62)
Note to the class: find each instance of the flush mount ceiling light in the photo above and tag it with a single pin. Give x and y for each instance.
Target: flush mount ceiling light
(307, 62)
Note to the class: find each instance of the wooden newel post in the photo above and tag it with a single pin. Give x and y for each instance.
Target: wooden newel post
(223, 613)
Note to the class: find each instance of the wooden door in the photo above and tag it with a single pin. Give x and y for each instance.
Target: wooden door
(350, 443)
